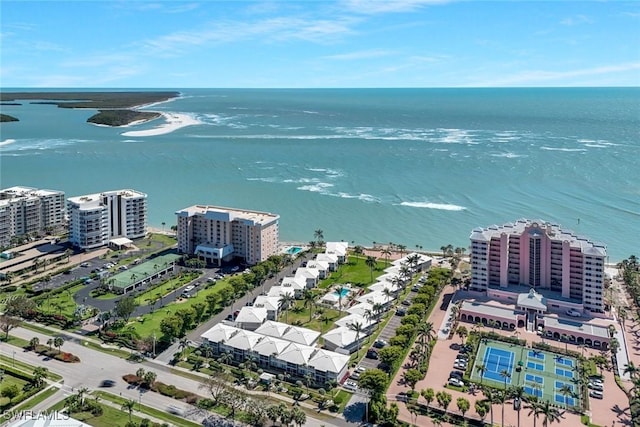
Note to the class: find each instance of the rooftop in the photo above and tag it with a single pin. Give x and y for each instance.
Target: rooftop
(576, 326)
(229, 214)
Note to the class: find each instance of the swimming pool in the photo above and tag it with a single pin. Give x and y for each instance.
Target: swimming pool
(292, 250)
(342, 292)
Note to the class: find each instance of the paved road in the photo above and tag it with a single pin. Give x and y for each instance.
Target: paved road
(194, 335)
(96, 366)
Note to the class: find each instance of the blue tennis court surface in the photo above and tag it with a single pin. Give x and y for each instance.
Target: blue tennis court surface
(534, 378)
(565, 362)
(564, 373)
(497, 360)
(533, 391)
(536, 366)
(561, 398)
(536, 355)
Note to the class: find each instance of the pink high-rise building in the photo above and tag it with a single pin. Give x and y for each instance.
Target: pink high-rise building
(535, 254)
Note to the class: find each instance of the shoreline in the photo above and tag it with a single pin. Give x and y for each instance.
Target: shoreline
(174, 121)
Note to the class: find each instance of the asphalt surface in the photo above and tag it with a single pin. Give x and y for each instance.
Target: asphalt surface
(95, 366)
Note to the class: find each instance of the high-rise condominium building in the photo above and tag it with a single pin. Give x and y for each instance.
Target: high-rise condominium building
(218, 234)
(25, 210)
(97, 218)
(542, 256)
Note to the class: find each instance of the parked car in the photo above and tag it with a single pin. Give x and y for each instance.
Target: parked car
(462, 356)
(84, 265)
(460, 365)
(573, 313)
(350, 385)
(456, 382)
(372, 354)
(596, 386)
(455, 374)
(360, 369)
(379, 343)
(355, 376)
(406, 302)
(176, 410)
(401, 312)
(596, 394)
(516, 404)
(415, 288)
(189, 288)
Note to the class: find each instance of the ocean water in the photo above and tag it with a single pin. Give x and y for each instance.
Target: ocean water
(418, 167)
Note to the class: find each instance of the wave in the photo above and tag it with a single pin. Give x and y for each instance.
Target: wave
(508, 155)
(562, 149)
(429, 205)
(7, 142)
(320, 187)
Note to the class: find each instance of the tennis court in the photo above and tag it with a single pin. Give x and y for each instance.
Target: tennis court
(546, 375)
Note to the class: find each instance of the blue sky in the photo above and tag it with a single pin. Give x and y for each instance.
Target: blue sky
(314, 44)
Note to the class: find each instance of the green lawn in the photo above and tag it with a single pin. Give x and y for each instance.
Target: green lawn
(7, 381)
(38, 398)
(355, 272)
(60, 303)
(152, 412)
(10, 361)
(167, 287)
(301, 314)
(150, 323)
(110, 417)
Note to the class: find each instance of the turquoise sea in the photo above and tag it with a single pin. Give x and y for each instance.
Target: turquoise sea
(419, 167)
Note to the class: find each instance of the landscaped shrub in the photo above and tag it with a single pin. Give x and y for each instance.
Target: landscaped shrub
(167, 390)
(132, 379)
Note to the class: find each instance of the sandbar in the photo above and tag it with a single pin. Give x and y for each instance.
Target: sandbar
(174, 121)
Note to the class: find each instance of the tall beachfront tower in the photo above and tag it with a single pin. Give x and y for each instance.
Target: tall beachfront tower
(542, 256)
(218, 234)
(26, 210)
(95, 219)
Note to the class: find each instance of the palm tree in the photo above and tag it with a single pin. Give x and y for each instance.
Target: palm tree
(517, 392)
(128, 405)
(401, 248)
(284, 303)
(358, 328)
(481, 369)
(387, 253)
(387, 293)
(309, 299)
(550, 413)
(425, 333)
(371, 263)
(57, 342)
(39, 375)
(359, 251)
(566, 390)
(535, 408)
(319, 236)
(34, 342)
(631, 369)
(298, 416)
(491, 398)
(341, 292)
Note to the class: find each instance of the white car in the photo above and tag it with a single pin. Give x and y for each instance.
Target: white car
(456, 382)
(573, 313)
(360, 369)
(189, 288)
(350, 385)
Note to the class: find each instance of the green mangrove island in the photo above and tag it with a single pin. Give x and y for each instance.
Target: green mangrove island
(115, 108)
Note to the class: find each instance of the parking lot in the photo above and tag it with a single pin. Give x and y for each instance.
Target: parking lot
(387, 333)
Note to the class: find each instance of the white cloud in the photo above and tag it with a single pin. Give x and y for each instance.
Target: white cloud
(576, 20)
(541, 77)
(362, 54)
(372, 7)
(274, 29)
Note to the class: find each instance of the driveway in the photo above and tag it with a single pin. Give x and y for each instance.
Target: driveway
(95, 366)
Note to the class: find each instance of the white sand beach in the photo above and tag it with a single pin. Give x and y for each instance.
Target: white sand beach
(174, 121)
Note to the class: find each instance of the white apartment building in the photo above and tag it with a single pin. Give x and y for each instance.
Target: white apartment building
(532, 254)
(95, 219)
(218, 234)
(25, 210)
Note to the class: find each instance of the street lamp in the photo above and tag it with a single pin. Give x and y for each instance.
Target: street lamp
(140, 401)
(13, 360)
